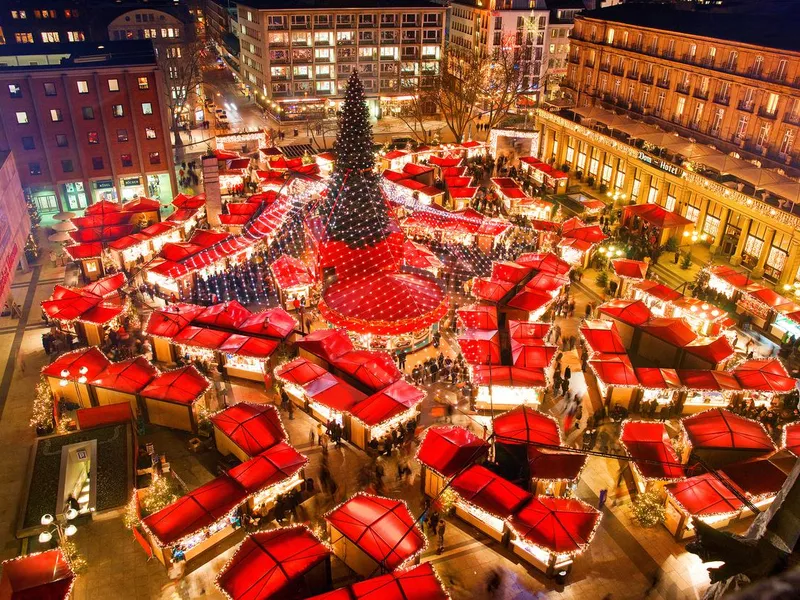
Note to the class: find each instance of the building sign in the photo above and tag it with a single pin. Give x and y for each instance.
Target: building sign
(131, 181)
(107, 184)
(660, 164)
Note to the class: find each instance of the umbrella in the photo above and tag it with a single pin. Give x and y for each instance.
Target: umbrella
(64, 226)
(60, 236)
(64, 216)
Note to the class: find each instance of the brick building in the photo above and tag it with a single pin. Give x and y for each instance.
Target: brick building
(86, 122)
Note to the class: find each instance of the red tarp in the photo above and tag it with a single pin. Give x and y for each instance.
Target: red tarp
(531, 300)
(532, 353)
(480, 346)
(705, 495)
(508, 376)
(766, 295)
(758, 478)
(275, 465)
(328, 344)
(171, 320)
(614, 369)
(519, 330)
(633, 269)
(291, 272)
(388, 403)
(100, 416)
(68, 304)
(244, 345)
(713, 351)
(271, 564)
(184, 385)
(648, 445)
(658, 379)
(525, 425)
(444, 162)
(509, 271)
(142, 205)
(791, 438)
(546, 282)
(198, 509)
(731, 276)
(334, 393)
(656, 215)
(602, 336)
(591, 234)
(84, 251)
(420, 257)
(40, 576)
(718, 381)
(447, 449)
(554, 465)
(477, 316)
(631, 312)
(765, 376)
(419, 583)
(374, 369)
(557, 525)
(721, 429)
(675, 332)
(201, 337)
(106, 286)
(382, 528)
(490, 492)
(104, 206)
(94, 361)
(659, 290)
(252, 427)
(273, 323)
(492, 290)
(299, 371)
(546, 262)
(227, 315)
(190, 202)
(128, 376)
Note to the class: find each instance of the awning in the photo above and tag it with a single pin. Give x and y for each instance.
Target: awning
(632, 269)
(448, 449)
(614, 369)
(275, 465)
(489, 492)
(491, 290)
(252, 427)
(532, 353)
(630, 312)
(721, 429)
(659, 379)
(374, 369)
(328, 344)
(718, 381)
(523, 330)
(675, 332)
(523, 425)
(556, 525)
(227, 315)
(544, 261)
(509, 271)
(545, 464)
(91, 359)
(658, 290)
(128, 376)
(40, 576)
(478, 316)
(706, 495)
(201, 337)
(508, 376)
(334, 393)
(170, 321)
(713, 351)
(480, 346)
(272, 323)
(764, 375)
(419, 583)
(386, 404)
(299, 371)
(758, 478)
(245, 345)
(648, 444)
(657, 216)
(602, 336)
(184, 385)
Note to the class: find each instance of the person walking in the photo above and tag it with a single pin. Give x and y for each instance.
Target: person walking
(440, 529)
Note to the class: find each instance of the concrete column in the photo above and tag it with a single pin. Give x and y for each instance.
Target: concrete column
(701, 217)
(212, 190)
(736, 259)
(790, 268)
(758, 270)
(723, 223)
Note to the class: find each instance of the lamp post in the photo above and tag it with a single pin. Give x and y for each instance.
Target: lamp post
(64, 382)
(616, 196)
(62, 527)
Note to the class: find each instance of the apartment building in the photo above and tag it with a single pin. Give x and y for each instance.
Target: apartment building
(86, 122)
(15, 224)
(299, 59)
(221, 28)
(536, 31)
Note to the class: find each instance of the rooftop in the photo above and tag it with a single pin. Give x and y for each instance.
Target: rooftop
(755, 29)
(338, 4)
(78, 54)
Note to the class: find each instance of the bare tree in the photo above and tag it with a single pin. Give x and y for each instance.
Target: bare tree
(457, 88)
(501, 83)
(181, 66)
(416, 113)
(320, 129)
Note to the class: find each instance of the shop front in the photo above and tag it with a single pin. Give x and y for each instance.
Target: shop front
(159, 187)
(45, 199)
(103, 190)
(74, 195)
(132, 187)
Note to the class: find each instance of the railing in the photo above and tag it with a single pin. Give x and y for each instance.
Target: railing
(767, 114)
(647, 79)
(682, 88)
(724, 100)
(746, 105)
(701, 94)
(663, 83)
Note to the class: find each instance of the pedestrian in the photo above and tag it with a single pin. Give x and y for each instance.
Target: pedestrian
(564, 386)
(601, 499)
(493, 582)
(311, 436)
(440, 529)
(567, 373)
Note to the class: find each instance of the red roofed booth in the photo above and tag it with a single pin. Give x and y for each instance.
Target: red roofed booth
(172, 399)
(523, 425)
(726, 436)
(246, 430)
(602, 336)
(122, 381)
(40, 576)
(491, 290)
(546, 262)
(419, 583)
(651, 451)
(269, 474)
(444, 452)
(480, 346)
(767, 376)
(374, 369)
(77, 368)
(713, 498)
(378, 415)
(477, 316)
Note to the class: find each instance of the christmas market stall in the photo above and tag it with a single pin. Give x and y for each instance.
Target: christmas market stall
(533, 300)
(654, 221)
(616, 379)
(602, 337)
(329, 399)
(541, 173)
(791, 438)
(764, 382)
(629, 272)
(293, 279)
(370, 533)
(517, 431)
(704, 389)
(123, 381)
(653, 457)
(417, 256)
(39, 576)
(768, 310)
(627, 315)
(727, 281)
(444, 452)
(507, 387)
(69, 375)
(722, 437)
(554, 472)
(293, 375)
(711, 498)
(485, 500)
(174, 398)
(246, 430)
(549, 533)
(281, 564)
(658, 297)
(662, 386)
(379, 415)
(708, 353)
(477, 316)
(663, 339)
(578, 241)
(591, 207)
(417, 583)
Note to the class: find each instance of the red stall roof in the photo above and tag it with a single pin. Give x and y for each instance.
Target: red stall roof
(706, 495)
(273, 322)
(509, 271)
(198, 509)
(713, 351)
(764, 375)
(490, 492)
(170, 321)
(128, 376)
(659, 379)
(478, 316)
(531, 300)
(419, 583)
(327, 343)
(672, 331)
(101, 314)
(373, 368)
(508, 376)
(633, 269)
(791, 438)
(184, 385)
(657, 215)
(758, 478)
(766, 295)
(94, 361)
(271, 564)
(252, 427)
(39, 576)
(731, 276)
(444, 162)
(106, 286)
(546, 262)
(721, 429)
(388, 403)
(100, 416)
(647, 443)
(84, 251)
(525, 425)
(630, 312)
(591, 234)
(382, 528)
(602, 336)
(520, 330)
(614, 369)
(555, 465)
(291, 272)
(448, 449)
(480, 346)
(274, 465)
(532, 353)
(492, 290)
(299, 371)
(227, 315)
(67, 304)
(719, 381)
(334, 393)
(659, 290)
(202, 337)
(546, 282)
(556, 525)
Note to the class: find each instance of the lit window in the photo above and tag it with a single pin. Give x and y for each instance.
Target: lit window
(50, 37)
(18, 14)
(117, 110)
(14, 90)
(75, 36)
(149, 133)
(113, 85)
(83, 87)
(93, 137)
(127, 160)
(155, 158)
(144, 84)
(55, 115)
(23, 38)
(22, 117)
(147, 108)
(122, 135)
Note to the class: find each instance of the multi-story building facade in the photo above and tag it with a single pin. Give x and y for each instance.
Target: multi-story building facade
(15, 224)
(86, 122)
(300, 58)
(729, 81)
(536, 31)
(222, 28)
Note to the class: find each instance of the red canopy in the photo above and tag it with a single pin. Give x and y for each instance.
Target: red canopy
(201, 337)
(291, 272)
(509, 271)
(659, 379)
(525, 425)
(765, 376)
(388, 403)
(556, 525)
(328, 344)
(675, 332)
(508, 376)
(245, 345)
(271, 564)
(766, 295)
(659, 290)
(104, 206)
(444, 162)
(546, 262)
(227, 315)
(448, 449)
(40, 576)
(614, 369)
(198, 509)
(374, 369)
(419, 583)
(84, 251)
(791, 437)
(184, 385)
(602, 336)
(647, 443)
(520, 330)
(252, 427)
(532, 353)
(478, 316)
(758, 478)
(546, 282)
(170, 321)
(101, 314)
(480, 346)
(100, 416)
(721, 429)
(274, 465)
(713, 351)
(657, 215)
(718, 381)
(730, 276)
(334, 393)
(631, 312)
(382, 528)
(490, 492)
(273, 323)
(591, 234)
(128, 376)
(418, 256)
(554, 465)
(531, 300)
(67, 304)
(706, 495)
(632, 269)
(300, 371)
(90, 359)
(106, 286)
(492, 290)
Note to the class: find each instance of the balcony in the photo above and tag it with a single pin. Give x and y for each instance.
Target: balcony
(688, 58)
(707, 62)
(668, 54)
(574, 59)
(792, 119)
(723, 100)
(301, 43)
(345, 42)
(635, 47)
(618, 71)
(777, 76)
(701, 94)
(410, 24)
(663, 83)
(322, 43)
(746, 105)
(276, 26)
(647, 79)
(366, 25)
(633, 75)
(767, 114)
(606, 67)
(730, 67)
(306, 25)
(589, 64)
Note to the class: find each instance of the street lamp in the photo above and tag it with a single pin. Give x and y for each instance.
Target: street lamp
(63, 528)
(616, 196)
(692, 237)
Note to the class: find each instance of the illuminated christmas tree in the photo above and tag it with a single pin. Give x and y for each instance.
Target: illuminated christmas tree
(355, 211)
